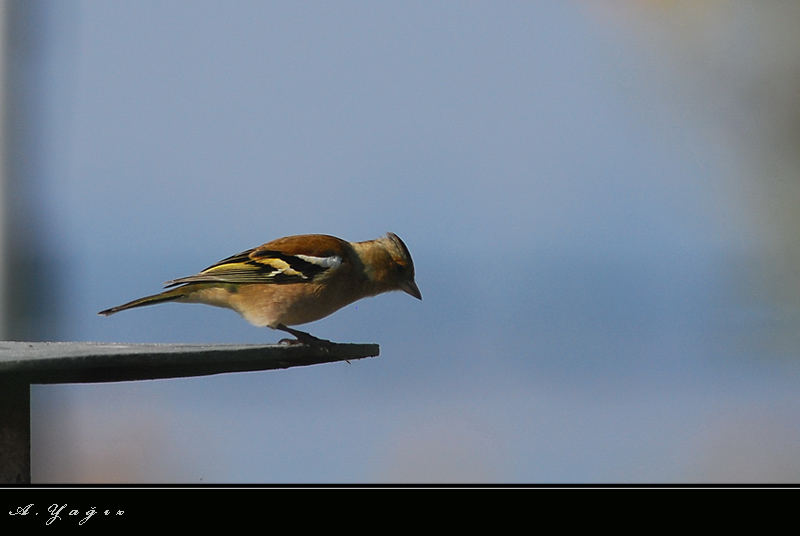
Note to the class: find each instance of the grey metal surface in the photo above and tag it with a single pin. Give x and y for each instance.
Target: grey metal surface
(86, 362)
(15, 431)
(26, 363)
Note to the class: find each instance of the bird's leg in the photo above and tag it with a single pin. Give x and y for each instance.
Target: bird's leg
(302, 337)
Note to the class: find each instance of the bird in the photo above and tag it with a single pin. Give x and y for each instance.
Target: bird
(294, 280)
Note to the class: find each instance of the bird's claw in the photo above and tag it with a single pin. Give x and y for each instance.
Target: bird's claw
(303, 338)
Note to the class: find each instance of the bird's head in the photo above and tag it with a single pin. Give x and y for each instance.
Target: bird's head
(387, 262)
(403, 265)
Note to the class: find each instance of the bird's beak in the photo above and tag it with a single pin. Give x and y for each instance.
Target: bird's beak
(409, 287)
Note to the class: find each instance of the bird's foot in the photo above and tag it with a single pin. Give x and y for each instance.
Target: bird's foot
(302, 338)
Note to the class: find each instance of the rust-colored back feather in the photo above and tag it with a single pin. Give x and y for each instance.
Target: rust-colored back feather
(315, 245)
(275, 262)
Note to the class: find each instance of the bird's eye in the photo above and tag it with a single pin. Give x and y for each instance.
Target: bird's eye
(400, 269)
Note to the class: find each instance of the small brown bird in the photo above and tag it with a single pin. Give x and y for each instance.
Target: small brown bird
(295, 280)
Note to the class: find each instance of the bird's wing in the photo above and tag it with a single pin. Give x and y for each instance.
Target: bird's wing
(288, 260)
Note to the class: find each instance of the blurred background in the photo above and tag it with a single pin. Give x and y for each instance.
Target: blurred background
(600, 199)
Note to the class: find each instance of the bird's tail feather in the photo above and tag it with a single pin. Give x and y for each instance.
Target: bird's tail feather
(167, 296)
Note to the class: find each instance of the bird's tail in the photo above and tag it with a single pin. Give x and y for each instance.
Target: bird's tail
(166, 296)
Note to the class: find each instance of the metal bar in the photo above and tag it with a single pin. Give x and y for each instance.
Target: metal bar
(15, 430)
(26, 363)
(85, 362)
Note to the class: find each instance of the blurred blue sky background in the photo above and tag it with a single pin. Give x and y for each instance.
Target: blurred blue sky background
(598, 199)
